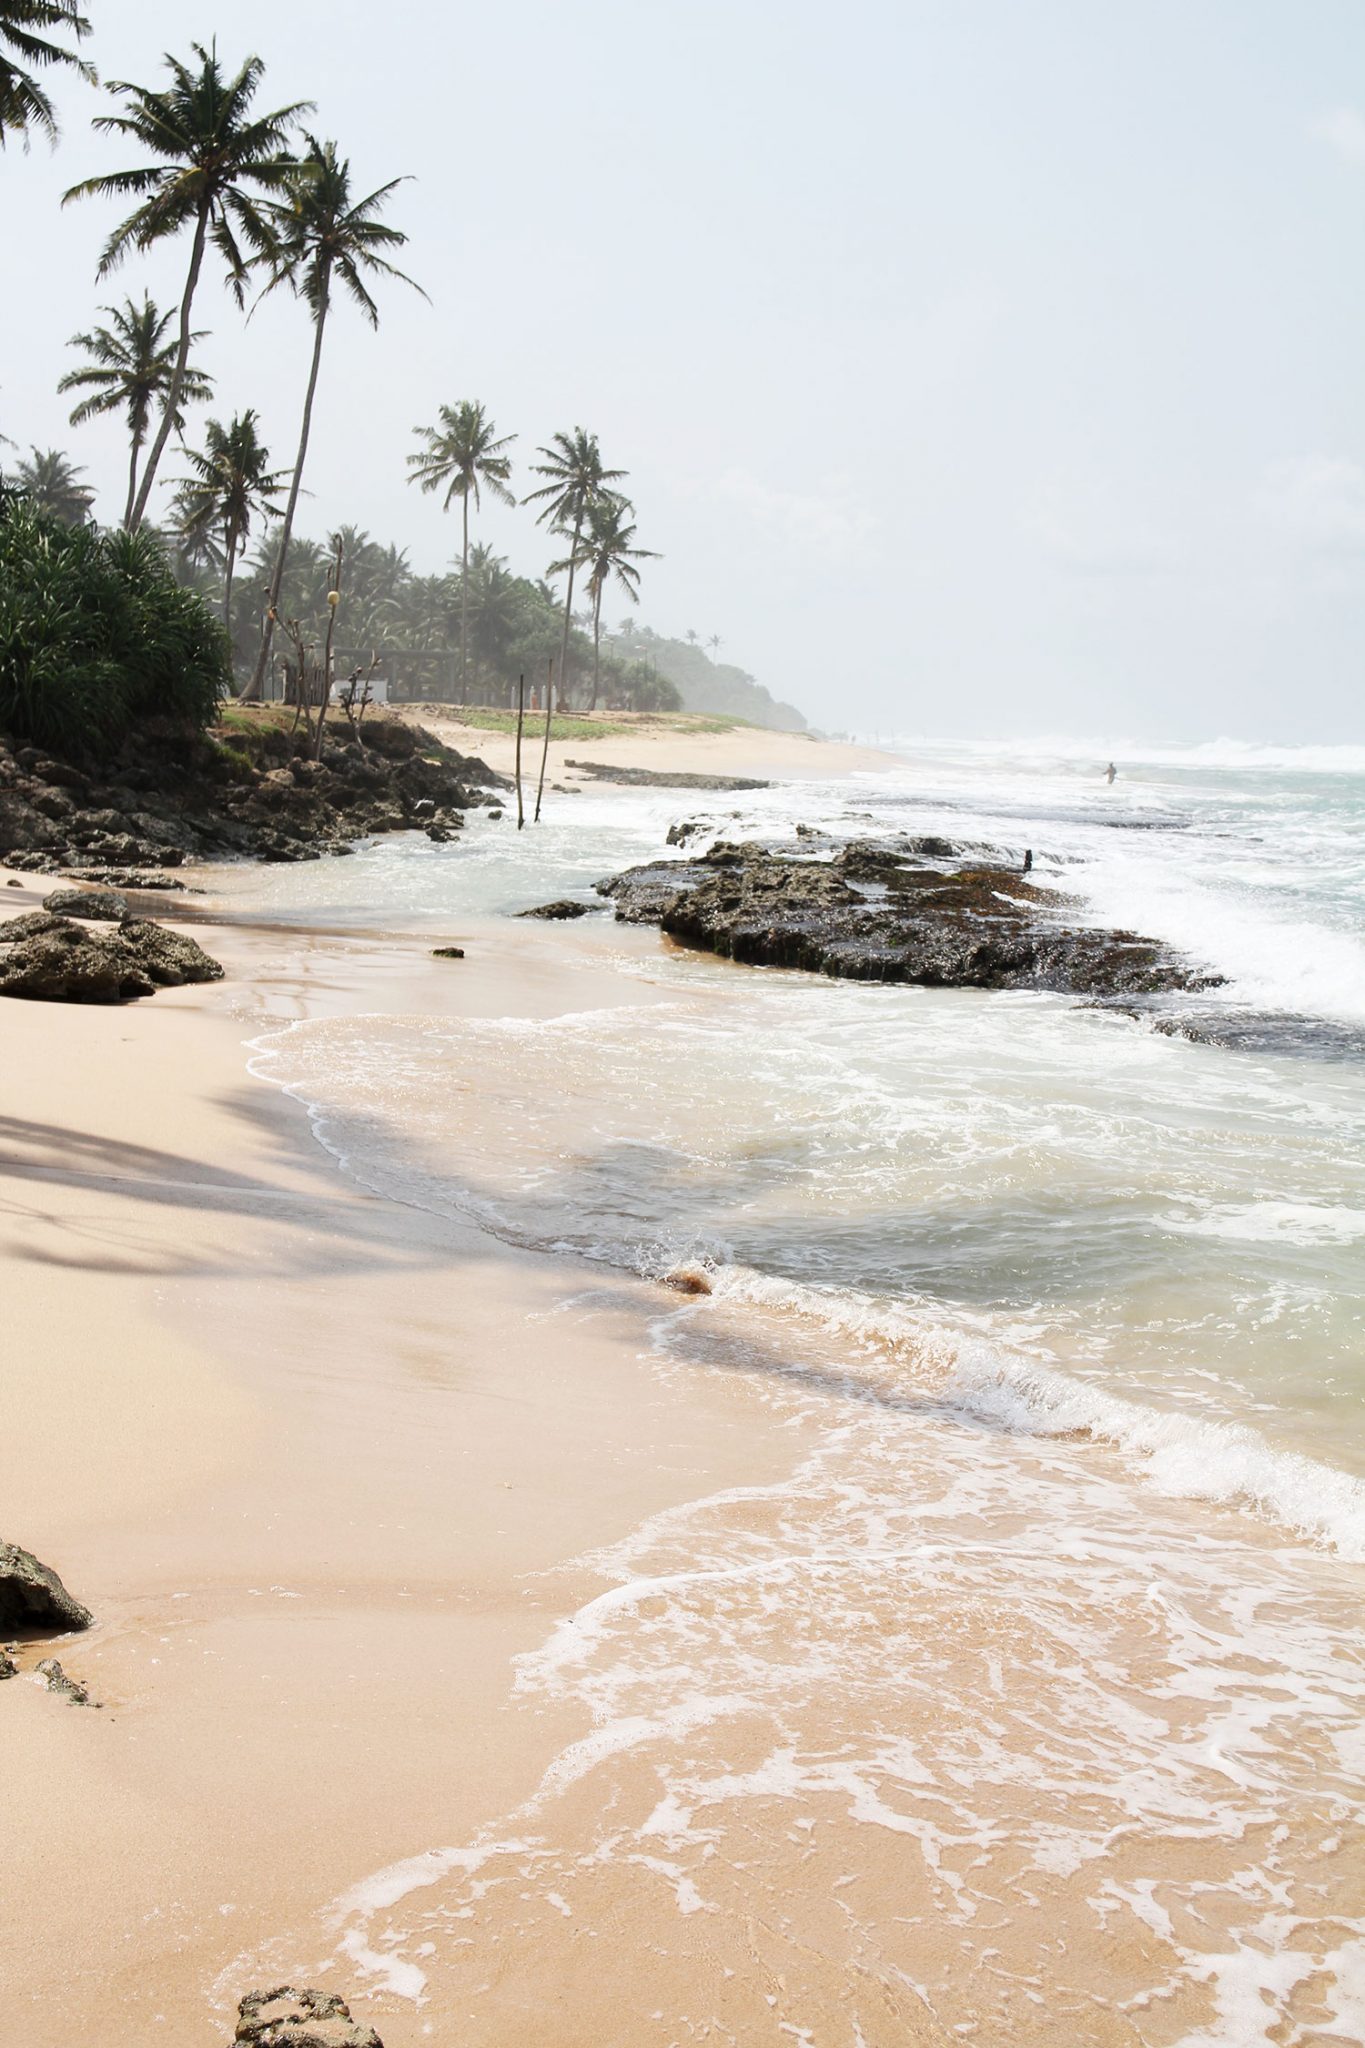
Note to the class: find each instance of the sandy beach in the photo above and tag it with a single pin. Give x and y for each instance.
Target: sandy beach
(312, 1458)
(662, 745)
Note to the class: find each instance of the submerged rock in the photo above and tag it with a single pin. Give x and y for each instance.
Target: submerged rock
(880, 912)
(562, 907)
(50, 959)
(286, 2018)
(33, 1597)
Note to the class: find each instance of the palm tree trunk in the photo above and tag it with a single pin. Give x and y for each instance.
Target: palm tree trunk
(252, 692)
(464, 605)
(230, 566)
(596, 645)
(568, 607)
(132, 482)
(182, 356)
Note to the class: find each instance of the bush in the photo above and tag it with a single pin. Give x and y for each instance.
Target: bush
(97, 637)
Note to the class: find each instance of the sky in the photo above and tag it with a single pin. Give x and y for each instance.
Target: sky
(981, 367)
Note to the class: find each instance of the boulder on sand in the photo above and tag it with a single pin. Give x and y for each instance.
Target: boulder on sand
(562, 907)
(49, 959)
(33, 1597)
(107, 906)
(286, 2018)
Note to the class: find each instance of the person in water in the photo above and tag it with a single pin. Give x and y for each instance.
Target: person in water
(1028, 859)
(1110, 772)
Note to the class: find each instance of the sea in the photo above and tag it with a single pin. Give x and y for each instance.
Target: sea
(1027, 1706)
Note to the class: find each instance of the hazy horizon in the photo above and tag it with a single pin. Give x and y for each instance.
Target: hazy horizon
(985, 370)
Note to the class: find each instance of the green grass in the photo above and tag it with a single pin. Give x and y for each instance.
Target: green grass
(597, 726)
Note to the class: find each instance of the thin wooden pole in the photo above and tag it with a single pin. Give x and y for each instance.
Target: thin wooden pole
(521, 712)
(545, 748)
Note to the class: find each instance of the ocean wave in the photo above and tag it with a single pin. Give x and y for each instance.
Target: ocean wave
(1231, 754)
(1180, 1455)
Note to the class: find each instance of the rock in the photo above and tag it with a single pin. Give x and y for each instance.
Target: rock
(447, 952)
(688, 1280)
(875, 912)
(8, 1667)
(33, 1597)
(659, 778)
(678, 835)
(45, 958)
(67, 1688)
(495, 811)
(562, 907)
(286, 2018)
(105, 905)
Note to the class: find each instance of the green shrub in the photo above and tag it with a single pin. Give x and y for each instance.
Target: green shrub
(97, 637)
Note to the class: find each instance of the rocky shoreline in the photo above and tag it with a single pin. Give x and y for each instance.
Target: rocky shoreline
(252, 792)
(904, 910)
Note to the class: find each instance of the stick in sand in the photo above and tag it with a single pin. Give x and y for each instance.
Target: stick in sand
(521, 712)
(545, 749)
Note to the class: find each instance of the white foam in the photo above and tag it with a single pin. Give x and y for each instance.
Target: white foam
(1305, 1223)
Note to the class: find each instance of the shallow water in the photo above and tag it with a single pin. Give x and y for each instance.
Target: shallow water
(1032, 1701)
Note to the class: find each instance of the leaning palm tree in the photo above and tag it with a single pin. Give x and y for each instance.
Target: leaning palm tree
(317, 235)
(715, 643)
(216, 160)
(465, 454)
(130, 369)
(230, 484)
(573, 464)
(605, 551)
(49, 481)
(24, 105)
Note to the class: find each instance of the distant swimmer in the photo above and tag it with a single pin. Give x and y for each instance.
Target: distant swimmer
(1028, 859)
(1110, 772)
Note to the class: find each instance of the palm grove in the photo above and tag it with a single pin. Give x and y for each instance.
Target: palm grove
(268, 204)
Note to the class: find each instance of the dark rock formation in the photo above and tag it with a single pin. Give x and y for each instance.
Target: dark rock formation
(33, 1597)
(879, 912)
(106, 906)
(562, 907)
(286, 2018)
(50, 959)
(8, 1667)
(66, 1688)
(255, 791)
(447, 952)
(662, 778)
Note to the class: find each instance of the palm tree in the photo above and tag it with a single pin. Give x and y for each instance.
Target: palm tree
(318, 233)
(49, 480)
(231, 484)
(216, 162)
(715, 643)
(23, 103)
(606, 551)
(464, 453)
(573, 463)
(131, 365)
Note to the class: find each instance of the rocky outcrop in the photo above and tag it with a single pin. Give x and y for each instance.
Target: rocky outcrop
(661, 778)
(562, 907)
(286, 2018)
(883, 912)
(49, 959)
(252, 791)
(106, 906)
(33, 1597)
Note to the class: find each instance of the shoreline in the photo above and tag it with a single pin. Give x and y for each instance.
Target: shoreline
(303, 1496)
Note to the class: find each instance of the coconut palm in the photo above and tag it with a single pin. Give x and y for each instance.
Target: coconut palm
(605, 551)
(24, 105)
(573, 464)
(216, 161)
(131, 367)
(465, 454)
(231, 483)
(50, 483)
(320, 233)
(715, 643)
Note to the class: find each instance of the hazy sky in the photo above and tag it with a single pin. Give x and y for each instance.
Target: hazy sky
(980, 366)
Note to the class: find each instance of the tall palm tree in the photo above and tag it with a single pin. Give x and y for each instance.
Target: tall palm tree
(230, 484)
(465, 454)
(216, 160)
(23, 103)
(606, 551)
(131, 367)
(50, 481)
(715, 643)
(573, 464)
(318, 234)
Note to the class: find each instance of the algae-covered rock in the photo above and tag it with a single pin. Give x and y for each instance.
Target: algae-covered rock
(33, 1597)
(286, 2018)
(51, 959)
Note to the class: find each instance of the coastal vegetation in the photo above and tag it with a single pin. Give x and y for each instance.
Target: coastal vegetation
(253, 192)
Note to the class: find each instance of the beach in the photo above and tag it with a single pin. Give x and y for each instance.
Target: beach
(944, 1628)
